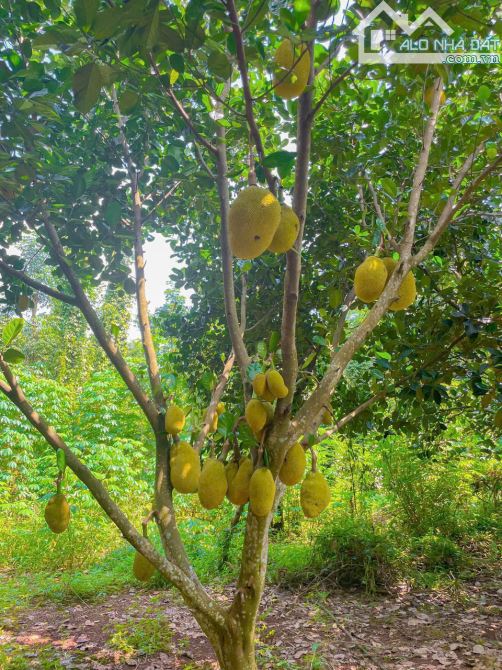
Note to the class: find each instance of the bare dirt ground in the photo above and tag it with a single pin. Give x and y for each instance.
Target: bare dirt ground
(304, 629)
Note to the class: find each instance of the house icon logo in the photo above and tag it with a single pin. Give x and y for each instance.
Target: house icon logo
(421, 41)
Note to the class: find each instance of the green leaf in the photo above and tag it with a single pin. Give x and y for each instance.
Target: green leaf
(252, 370)
(56, 36)
(87, 83)
(151, 32)
(261, 349)
(170, 40)
(13, 355)
(12, 330)
(113, 212)
(273, 341)
(61, 460)
(173, 77)
(107, 22)
(484, 93)
(282, 160)
(85, 12)
(219, 65)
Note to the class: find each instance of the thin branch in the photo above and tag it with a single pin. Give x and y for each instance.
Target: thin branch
(451, 208)
(419, 175)
(195, 597)
(293, 257)
(38, 286)
(337, 335)
(338, 80)
(248, 99)
(181, 110)
(139, 266)
(109, 346)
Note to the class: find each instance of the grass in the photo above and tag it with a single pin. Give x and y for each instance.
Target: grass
(20, 657)
(147, 636)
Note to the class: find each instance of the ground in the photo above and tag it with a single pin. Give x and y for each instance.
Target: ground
(303, 629)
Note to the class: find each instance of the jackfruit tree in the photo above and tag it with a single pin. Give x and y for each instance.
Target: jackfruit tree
(311, 200)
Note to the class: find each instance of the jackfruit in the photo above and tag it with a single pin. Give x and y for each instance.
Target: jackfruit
(370, 278)
(261, 492)
(253, 219)
(230, 471)
(270, 412)
(287, 232)
(293, 468)
(175, 420)
(429, 97)
(212, 483)
(57, 513)
(213, 426)
(256, 415)
(238, 488)
(220, 408)
(314, 495)
(185, 468)
(407, 292)
(276, 385)
(259, 384)
(326, 417)
(142, 568)
(291, 70)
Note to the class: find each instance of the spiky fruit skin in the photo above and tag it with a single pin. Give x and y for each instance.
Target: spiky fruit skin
(429, 97)
(185, 468)
(213, 427)
(253, 219)
(212, 483)
(220, 408)
(370, 278)
(261, 492)
(407, 292)
(175, 420)
(276, 385)
(256, 415)
(293, 468)
(230, 471)
(142, 568)
(287, 231)
(57, 513)
(314, 495)
(291, 77)
(238, 489)
(270, 412)
(259, 384)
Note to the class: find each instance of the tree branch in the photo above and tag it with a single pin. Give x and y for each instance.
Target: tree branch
(338, 80)
(248, 99)
(38, 286)
(195, 597)
(108, 345)
(139, 266)
(293, 257)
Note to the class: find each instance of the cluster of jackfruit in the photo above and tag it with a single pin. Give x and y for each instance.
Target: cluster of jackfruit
(57, 513)
(258, 222)
(259, 412)
(371, 278)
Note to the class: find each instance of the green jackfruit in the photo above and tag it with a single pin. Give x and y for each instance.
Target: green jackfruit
(370, 278)
(142, 568)
(256, 415)
(185, 468)
(261, 492)
(314, 495)
(253, 219)
(293, 468)
(407, 292)
(175, 420)
(238, 488)
(260, 387)
(57, 513)
(291, 70)
(212, 483)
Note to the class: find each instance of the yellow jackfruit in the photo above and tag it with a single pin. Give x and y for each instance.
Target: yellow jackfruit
(142, 568)
(238, 488)
(230, 471)
(407, 292)
(57, 513)
(326, 417)
(212, 483)
(287, 232)
(185, 468)
(429, 97)
(253, 219)
(276, 385)
(370, 278)
(314, 495)
(220, 408)
(175, 420)
(256, 415)
(259, 384)
(213, 426)
(261, 492)
(291, 70)
(293, 468)
(270, 412)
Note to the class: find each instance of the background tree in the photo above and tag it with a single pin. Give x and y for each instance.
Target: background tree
(120, 121)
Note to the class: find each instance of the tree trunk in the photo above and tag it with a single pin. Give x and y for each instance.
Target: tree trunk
(236, 648)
